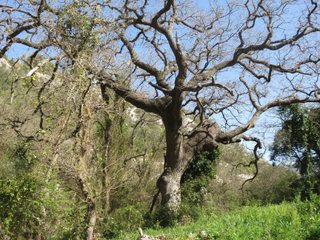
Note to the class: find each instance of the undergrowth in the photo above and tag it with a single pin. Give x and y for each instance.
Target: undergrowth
(286, 221)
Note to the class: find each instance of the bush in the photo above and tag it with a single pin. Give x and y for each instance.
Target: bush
(196, 179)
(20, 206)
(123, 220)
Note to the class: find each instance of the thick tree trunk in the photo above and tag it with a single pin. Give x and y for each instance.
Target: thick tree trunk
(181, 149)
(169, 186)
(175, 160)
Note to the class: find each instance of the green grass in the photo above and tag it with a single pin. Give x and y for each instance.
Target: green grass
(285, 221)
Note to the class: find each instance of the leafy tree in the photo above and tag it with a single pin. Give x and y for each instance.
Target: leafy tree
(298, 143)
(227, 65)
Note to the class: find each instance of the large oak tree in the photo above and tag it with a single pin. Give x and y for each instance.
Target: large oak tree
(224, 63)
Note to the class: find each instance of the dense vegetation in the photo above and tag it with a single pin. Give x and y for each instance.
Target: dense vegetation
(298, 144)
(298, 220)
(41, 198)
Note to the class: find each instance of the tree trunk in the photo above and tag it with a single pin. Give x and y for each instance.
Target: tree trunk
(174, 162)
(305, 171)
(107, 199)
(181, 149)
(92, 217)
(169, 186)
(107, 138)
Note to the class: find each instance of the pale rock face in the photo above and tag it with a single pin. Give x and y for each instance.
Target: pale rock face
(132, 113)
(4, 63)
(219, 180)
(42, 76)
(224, 164)
(188, 123)
(244, 176)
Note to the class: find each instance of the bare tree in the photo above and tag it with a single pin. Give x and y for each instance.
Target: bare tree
(225, 66)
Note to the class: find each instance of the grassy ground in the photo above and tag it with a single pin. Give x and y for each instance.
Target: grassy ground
(285, 221)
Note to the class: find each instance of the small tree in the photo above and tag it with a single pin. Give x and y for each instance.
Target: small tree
(226, 65)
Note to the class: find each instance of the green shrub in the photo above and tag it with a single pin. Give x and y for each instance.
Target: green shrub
(20, 206)
(196, 179)
(123, 220)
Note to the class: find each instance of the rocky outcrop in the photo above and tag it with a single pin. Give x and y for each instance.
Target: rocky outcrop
(146, 237)
(5, 64)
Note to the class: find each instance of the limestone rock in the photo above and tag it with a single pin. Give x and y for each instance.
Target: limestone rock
(146, 237)
(5, 64)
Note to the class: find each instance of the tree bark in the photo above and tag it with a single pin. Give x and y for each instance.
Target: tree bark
(92, 217)
(174, 162)
(181, 149)
(107, 135)
(169, 186)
